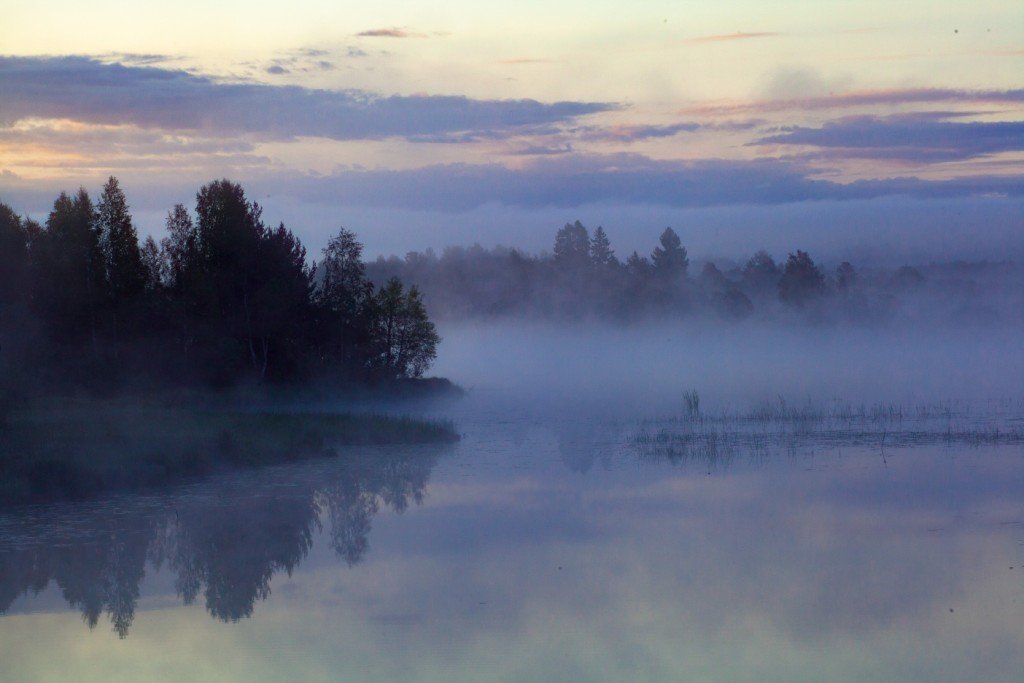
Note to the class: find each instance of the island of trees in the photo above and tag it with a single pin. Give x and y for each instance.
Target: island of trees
(125, 365)
(223, 298)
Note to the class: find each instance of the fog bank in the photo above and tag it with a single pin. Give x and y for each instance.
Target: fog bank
(646, 369)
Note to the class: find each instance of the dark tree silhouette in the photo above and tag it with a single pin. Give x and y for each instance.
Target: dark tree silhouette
(601, 254)
(761, 275)
(125, 272)
(69, 275)
(669, 257)
(404, 338)
(712, 280)
(801, 281)
(221, 299)
(344, 296)
(846, 276)
(13, 260)
(572, 247)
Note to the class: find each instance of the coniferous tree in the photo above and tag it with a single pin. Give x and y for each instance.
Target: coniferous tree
(572, 247)
(229, 230)
(69, 275)
(281, 317)
(601, 254)
(669, 257)
(221, 298)
(125, 272)
(13, 260)
(801, 281)
(14, 297)
(761, 274)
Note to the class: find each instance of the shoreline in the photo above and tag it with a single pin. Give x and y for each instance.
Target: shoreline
(80, 448)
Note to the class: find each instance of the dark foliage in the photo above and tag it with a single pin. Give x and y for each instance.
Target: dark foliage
(802, 283)
(224, 298)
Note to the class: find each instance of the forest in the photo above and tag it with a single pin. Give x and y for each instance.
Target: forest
(223, 298)
(582, 279)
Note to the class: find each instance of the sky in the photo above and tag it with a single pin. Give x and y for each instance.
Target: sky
(742, 124)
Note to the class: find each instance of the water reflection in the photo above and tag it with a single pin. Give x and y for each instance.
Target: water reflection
(223, 541)
(819, 563)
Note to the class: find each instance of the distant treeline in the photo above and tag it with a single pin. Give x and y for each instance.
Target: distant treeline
(222, 298)
(584, 279)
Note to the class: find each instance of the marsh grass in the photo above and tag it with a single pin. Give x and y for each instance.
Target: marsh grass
(80, 449)
(780, 426)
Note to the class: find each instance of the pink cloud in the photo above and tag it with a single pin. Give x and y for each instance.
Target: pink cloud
(733, 36)
(393, 32)
(859, 99)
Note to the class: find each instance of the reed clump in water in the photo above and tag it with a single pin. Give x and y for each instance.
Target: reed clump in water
(783, 426)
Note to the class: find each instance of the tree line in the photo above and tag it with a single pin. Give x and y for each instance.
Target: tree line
(584, 278)
(222, 298)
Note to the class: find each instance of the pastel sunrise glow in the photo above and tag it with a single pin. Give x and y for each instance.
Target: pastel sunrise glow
(413, 120)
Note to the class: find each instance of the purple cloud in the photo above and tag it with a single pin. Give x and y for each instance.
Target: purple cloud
(862, 99)
(393, 32)
(908, 137)
(84, 89)
(635, 133)
(571, 180)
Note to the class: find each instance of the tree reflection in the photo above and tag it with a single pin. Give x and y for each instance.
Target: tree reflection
(226, 546)
(580, 445)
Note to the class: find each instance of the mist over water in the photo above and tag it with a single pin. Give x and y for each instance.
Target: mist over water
(643, 370)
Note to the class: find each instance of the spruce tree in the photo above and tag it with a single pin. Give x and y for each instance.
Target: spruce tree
(601, 254)
(123, 267)
(669, 258)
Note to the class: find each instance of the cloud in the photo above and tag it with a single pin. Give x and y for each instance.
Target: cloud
(137, 59)
(543, 150)
(393, 32)
(86, 90)
(908, 137)
(728, 37)
(802, 83)
(104, 142)
(635, 133)
(862, 99)
(276, 70)
(571, 180)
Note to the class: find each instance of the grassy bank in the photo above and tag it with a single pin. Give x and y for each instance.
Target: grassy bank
(78, 449)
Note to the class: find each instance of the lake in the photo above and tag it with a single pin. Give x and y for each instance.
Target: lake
(554, 542)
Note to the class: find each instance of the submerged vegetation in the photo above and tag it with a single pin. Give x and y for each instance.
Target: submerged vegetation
(76, 450)
(717, 438)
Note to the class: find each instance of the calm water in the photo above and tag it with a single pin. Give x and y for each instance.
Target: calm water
(543, 546)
